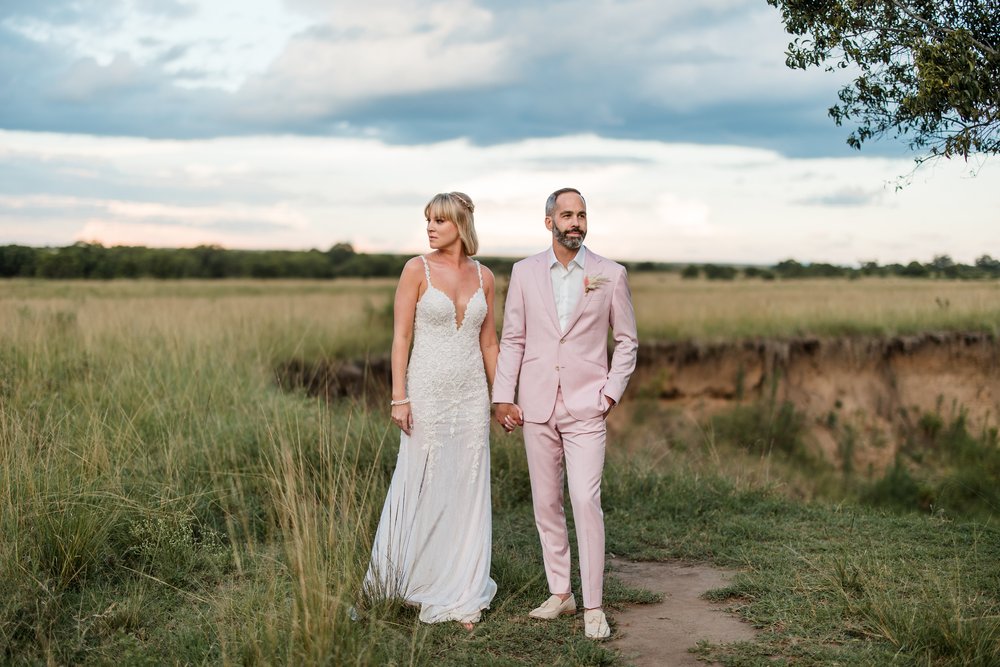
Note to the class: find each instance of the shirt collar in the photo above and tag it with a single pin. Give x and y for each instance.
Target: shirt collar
(579, 260)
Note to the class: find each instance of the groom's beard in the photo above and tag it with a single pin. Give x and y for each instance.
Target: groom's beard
(570, 242)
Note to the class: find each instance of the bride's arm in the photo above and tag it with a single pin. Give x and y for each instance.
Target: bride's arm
(488, 342)
(404, 308)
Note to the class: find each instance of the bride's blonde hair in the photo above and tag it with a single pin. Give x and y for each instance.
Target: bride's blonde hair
(457, 207)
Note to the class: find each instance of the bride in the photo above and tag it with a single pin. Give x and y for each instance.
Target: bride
(432, 545)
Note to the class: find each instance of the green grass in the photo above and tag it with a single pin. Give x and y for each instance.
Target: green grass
(826, 584)
(162, 501)
(943, 468)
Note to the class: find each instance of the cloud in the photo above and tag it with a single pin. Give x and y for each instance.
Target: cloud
(847, 197)
(119, 222)
(377, 51)
(647, 200)
(112, 233)
(679, 215)
(86, 79)
(416, 72)
(169, 8)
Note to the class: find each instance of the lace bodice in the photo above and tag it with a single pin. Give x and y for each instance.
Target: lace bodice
(446, 356)
(437, 324)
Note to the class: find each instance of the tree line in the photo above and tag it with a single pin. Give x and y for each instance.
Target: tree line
(942, 266)
(95, 261)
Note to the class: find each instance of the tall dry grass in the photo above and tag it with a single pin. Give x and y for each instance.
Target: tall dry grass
(669, 307)
(145, 448)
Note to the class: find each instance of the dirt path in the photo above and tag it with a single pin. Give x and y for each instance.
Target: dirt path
(660, 634)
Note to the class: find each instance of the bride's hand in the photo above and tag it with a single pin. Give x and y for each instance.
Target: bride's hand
(509, 416)
(402, 417)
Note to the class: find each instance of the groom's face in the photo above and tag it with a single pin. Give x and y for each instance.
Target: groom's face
(568, 223)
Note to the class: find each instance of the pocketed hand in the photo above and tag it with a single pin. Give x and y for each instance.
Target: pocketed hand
(612, 403)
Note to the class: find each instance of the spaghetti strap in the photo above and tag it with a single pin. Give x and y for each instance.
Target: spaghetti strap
(427, 270)
(479, 270)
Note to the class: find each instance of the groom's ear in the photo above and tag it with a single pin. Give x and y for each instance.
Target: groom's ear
(548, 223)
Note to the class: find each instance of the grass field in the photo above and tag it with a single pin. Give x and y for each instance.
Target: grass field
(667, 307)
(161, 501)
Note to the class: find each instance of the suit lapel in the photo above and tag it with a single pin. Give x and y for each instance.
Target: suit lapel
(591, 267)
(544, 283)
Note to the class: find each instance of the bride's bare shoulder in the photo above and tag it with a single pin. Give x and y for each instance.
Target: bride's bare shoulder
(413, 271)
(488, 278)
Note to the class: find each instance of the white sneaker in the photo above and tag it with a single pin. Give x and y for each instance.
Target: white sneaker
(553, 607)
(595, 624)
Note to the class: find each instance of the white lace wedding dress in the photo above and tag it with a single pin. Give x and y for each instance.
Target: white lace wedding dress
(432, 546)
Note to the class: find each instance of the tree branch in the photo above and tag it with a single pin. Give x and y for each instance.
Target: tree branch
(933, 26)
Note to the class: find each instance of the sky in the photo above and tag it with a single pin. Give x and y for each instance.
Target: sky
(304, 123)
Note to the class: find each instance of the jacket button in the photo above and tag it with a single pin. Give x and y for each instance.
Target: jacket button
(562, 340)
(557, 367)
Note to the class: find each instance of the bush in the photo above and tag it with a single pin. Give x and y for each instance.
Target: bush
(765, 427)
(173, 547)
(899, 490)
(715, 272)
(967, 468)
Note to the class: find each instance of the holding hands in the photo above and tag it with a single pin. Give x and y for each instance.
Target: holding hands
(509, 416)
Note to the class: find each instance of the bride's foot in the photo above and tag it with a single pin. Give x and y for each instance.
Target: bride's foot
(470, 624)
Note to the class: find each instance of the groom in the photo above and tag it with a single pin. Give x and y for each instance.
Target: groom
(560, 304)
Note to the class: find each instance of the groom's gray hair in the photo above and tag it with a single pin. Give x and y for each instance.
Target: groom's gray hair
(550, 203)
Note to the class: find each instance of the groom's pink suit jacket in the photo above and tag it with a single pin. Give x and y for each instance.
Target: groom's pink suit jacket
(538, 356)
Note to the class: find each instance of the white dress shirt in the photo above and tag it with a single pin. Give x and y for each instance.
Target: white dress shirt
(567, 284)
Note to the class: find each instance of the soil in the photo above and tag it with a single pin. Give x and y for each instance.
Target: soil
(660, 634)
(871, 390)
(860, 396)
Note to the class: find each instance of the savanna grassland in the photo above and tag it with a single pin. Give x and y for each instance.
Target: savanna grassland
(162, 500)
(669, 307)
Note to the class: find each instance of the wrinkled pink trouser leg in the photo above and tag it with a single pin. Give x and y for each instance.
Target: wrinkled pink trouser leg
(581, 443)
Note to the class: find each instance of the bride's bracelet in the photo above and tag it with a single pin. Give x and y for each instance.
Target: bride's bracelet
(402, 401)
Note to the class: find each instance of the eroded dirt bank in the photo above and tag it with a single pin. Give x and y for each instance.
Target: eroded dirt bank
(876, 387)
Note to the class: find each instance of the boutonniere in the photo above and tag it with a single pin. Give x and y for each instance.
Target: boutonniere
(591, 283)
